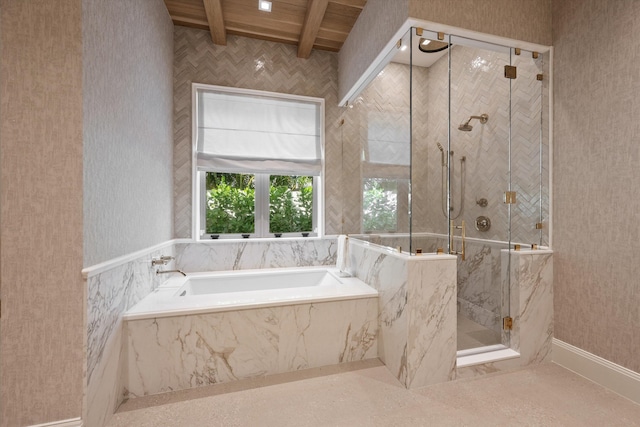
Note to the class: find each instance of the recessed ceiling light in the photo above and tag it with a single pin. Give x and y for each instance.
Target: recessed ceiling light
(264, 5)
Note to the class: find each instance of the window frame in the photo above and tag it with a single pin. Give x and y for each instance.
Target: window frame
(261, 230)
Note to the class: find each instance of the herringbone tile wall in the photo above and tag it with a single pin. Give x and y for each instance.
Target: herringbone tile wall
(478, 86)
(252, 64)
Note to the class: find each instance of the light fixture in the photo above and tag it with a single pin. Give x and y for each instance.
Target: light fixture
(264, 5)
(434, 46)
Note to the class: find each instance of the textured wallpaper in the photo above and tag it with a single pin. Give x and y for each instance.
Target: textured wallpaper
(41, 197)
(596, 176)
(527, 20)
(252, 64)
(128, 127)
(377, 23)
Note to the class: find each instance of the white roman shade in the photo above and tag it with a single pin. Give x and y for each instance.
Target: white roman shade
(258, 134)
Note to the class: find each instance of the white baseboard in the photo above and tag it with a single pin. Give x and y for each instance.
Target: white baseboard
(601, 371)
(72, 422)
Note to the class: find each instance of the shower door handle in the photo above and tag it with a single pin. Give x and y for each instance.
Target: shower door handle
(463, 229)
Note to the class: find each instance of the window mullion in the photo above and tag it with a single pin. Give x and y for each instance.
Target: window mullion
(262, 205)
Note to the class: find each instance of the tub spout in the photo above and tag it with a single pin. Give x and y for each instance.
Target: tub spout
(171, 271)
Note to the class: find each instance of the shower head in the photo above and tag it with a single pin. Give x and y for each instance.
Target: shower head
(440, 147)
(466, 127)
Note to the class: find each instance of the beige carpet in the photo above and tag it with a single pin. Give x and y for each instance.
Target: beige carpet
(366, 394)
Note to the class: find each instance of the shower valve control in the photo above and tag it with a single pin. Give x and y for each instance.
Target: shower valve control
(483, 223)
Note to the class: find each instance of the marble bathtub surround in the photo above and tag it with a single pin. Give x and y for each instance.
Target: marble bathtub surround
(417, 310)
(181, 352)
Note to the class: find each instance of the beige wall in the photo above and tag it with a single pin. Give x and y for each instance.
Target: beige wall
(128, 127)
(526, 20)
(596, 176)
(252, 64)
(41, 224)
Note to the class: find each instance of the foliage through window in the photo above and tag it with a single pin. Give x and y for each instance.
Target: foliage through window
(380, 205)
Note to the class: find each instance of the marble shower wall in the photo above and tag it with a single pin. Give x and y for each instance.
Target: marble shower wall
(251, 254)
(417, 311)
(175, 353)
(110, 293)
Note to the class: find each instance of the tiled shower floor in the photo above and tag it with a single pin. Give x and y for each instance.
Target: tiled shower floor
(472, 334)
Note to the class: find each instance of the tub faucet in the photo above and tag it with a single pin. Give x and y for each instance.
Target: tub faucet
(170, 271)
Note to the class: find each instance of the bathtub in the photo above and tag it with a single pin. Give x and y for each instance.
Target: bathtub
(209, 328)
(211, 292)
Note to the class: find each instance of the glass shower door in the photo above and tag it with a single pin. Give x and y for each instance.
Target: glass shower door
(479, 178)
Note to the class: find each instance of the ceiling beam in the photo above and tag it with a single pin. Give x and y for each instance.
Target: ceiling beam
(312, 21)
(213, 8)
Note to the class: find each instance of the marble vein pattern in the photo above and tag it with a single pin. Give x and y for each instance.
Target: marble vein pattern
(388, 275)
(432, 333)
(534, 317)
(110, 294)
(234, 255)
(181, 352)
(417, 313)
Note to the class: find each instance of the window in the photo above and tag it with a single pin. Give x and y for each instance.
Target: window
(258, 163)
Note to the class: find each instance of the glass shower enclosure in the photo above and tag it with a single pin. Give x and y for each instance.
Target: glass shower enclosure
(446, 150)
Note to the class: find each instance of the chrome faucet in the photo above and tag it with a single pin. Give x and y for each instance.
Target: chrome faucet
(170, 271)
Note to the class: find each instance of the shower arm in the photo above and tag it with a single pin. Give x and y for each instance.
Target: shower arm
(483, 119)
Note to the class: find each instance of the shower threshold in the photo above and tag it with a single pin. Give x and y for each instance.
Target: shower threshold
(487, 354)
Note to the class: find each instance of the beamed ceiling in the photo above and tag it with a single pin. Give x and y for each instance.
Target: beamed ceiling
(309, 24)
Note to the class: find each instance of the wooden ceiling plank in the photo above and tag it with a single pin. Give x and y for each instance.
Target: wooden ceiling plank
(215, 18)
(358, 4)
(312, 21)
(186, 21)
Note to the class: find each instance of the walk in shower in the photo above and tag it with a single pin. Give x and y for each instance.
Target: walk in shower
(446, 150)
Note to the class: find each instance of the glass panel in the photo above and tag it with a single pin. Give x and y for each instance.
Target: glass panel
(290, 204)
(478, 160)
(526, 150)
(230, 203)
(376, 155)
(429, 142)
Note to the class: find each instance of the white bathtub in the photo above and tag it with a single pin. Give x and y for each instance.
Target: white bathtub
(211, 292)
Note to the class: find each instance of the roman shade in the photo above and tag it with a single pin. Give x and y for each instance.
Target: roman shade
(247, 133)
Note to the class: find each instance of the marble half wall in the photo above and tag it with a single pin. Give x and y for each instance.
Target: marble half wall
(417, 310)
(112, 289)
(251, 254)
(181, 352)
